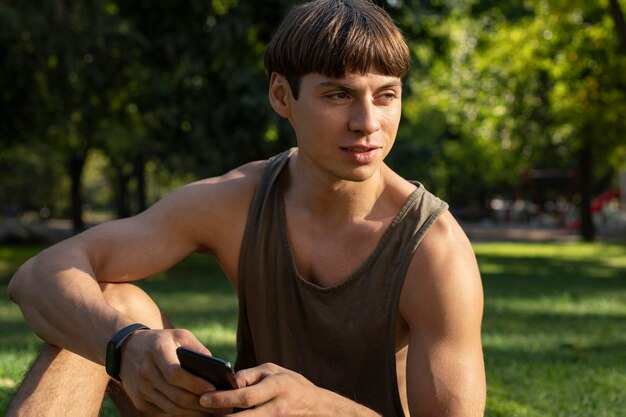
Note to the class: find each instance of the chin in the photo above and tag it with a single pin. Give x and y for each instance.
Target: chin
(360, 175)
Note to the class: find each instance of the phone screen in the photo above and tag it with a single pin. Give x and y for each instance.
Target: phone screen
(217, 371)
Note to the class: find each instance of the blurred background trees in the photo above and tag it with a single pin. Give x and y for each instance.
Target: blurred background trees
(107, 105)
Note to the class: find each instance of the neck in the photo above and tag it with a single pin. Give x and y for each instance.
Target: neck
(331, 198)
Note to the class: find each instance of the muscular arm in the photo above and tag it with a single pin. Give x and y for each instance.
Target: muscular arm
(442, 304)
(58, 290)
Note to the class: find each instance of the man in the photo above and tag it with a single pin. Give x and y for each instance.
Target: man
(359, 293)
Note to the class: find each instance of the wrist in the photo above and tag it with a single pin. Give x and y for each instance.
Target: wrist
(114, 349)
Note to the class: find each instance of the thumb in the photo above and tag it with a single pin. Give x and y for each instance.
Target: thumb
(251, 376)
(184, 338)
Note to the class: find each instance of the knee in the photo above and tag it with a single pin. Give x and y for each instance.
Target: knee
(133, 302)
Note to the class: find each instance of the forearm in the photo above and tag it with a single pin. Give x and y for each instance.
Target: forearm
(64, 305)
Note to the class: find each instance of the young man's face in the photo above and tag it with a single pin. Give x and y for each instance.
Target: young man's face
(346, 127)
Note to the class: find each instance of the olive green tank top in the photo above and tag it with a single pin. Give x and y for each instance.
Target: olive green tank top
(341, 338)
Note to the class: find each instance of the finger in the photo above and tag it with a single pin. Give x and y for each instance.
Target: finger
(247, 397)
(176, 376)
(165, 380)
(147, 408)
(169, 366)
(196, 384)
(186, 339)
(153, 403)
(168, 408)
(162, 403)
(252, 376)
(250, 412)
(172, 386)
(249, 377)
(183, 378)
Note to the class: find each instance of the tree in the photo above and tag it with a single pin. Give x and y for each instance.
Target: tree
(524, 85)
(70, 55)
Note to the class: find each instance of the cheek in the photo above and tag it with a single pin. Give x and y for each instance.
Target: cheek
(311, 116)
(325, 120)
(391, 120)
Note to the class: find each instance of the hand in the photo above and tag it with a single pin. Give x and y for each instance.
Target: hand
(272, 391)
(152, 376)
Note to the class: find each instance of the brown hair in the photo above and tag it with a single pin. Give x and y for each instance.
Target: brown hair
(333, 37)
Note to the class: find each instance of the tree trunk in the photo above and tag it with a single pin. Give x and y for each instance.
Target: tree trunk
(120, 190)
(585, 167)
(123, 210)
(76, 164)
(620, 24)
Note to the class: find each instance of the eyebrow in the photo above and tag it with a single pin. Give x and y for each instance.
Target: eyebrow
(348, 87)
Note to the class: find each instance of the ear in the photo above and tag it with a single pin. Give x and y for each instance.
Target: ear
(280, 95)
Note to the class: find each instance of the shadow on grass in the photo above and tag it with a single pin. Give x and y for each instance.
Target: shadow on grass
(6, 394)
(553, 335)
(610, 356)
(506, 276)
(568, 307)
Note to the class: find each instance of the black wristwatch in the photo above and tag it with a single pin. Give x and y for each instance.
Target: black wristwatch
(114, 349)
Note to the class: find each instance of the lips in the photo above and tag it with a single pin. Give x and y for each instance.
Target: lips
(360, 149)
(362, 154)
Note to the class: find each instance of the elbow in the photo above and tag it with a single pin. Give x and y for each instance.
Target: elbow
(18, 282)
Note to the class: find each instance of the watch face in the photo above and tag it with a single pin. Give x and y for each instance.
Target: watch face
(112, 364)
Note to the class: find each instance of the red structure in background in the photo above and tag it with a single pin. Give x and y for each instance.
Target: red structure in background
(603, 199)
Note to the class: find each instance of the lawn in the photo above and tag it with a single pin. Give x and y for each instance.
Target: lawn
(554, 330)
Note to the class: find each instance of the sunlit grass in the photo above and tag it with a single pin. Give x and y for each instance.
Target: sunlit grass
(554, 329)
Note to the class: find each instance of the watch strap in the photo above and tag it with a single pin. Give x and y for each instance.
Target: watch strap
(114, 351)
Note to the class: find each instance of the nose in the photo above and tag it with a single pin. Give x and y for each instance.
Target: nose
(364, 118)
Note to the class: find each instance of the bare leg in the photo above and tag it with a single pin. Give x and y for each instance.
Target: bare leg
(61, 383)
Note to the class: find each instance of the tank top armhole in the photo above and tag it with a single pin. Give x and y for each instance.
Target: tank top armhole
(271, 170)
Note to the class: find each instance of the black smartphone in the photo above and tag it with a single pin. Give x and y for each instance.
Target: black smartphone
(217, 371)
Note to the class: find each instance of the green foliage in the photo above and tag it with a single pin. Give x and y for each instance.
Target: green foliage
(513, 87)
(28, 171)
(145, 83)
(495, 89)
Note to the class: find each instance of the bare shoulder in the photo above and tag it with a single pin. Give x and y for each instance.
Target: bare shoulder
(446, 246)
(210, 208)
(222, 192)
(442, 305)
(443, 280)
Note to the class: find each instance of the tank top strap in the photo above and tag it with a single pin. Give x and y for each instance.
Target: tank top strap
(268, 180)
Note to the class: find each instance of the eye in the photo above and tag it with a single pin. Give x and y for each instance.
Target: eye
(338, 96)
(386, 96)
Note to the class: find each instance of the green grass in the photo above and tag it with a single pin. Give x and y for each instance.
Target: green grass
(554, 331)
